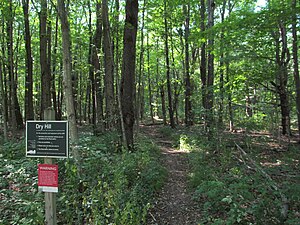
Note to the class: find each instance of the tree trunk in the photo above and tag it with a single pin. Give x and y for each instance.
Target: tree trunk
(45, 69)
(295, 61)
(188, 85)
(222, 69)
(66, 46)
(149, 81)
(139, 99)
(29, 114)
(108, 66)
(4, 106)
(203, 73)
(91, 70)
(53, 88)
(12, 86)
(210, 61)
(170, 106)
(96, 64)
(282, 61)
(128, 70)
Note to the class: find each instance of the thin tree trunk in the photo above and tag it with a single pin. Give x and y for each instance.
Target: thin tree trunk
(97, 67)
(108, 66)
(170, 106)
(139, 100)
(91, 70)
(29, 114)
(203, 57)
(295, 61)
(4, 106)
(222, 69)
(45, 69)
(210, 61)
(11, 71)
(128, 70)
(53, 88)
(282, 61)
(188, 85)
(149, 81)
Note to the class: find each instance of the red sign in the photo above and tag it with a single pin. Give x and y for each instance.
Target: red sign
(48, 177)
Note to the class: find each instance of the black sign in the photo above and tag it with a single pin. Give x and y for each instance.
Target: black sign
(47, 139)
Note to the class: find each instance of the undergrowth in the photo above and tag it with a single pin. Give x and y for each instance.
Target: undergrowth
(115, 188)
(230, 190)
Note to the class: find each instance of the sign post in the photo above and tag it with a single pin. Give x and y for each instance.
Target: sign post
(48, 139)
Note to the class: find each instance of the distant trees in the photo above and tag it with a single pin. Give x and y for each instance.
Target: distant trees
(226, 63)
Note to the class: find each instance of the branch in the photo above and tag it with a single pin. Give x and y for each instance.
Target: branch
(284, 206)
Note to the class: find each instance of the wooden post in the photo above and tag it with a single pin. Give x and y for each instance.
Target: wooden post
(50, 197)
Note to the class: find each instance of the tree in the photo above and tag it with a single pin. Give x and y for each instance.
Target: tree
(109, 67)
(66, 45)
(295, 60)
(188, 85)
(128, 70)
(45, 67)
(166, 34)
(210, 61)
(29, 114)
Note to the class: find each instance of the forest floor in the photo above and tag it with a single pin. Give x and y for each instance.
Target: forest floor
(174, 203)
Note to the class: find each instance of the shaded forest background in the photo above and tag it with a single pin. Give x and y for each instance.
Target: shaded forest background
(222, 63)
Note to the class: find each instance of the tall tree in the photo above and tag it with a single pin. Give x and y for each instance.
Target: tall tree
(108, 66)
(3, 104)
(29, 114)
(188, 85)
(282, 57)
(67, 70)
(168, 76)
(203, 61)
(12, 83)
(210, 61)
(44, 63)
(295, 60)
(128, 70)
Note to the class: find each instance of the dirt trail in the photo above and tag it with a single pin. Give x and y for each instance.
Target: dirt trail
(174, 204)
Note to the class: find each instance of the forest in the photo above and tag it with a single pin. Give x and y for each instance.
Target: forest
(178, 111)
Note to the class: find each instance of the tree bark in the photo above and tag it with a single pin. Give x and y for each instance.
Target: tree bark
(97, 66)
(188, 85)
(282, 61)
(4, 106)
(139, 99)
(45, 68)
(29, 114)
(170, 105)
(67, 70)
(203, 73)
(149, 81)
(12, 86)
(295, 61)
(210, 61)
(53, 77)
(108, 66)
(128, 70)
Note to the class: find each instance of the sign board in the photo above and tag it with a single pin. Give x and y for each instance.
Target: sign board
(48, 177)
(47, 139)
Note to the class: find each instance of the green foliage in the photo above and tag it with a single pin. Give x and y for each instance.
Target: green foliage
(231, 193)
(116, 187)
(20, 201)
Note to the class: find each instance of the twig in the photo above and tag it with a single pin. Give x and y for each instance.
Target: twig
(152, 216)
(284, 207)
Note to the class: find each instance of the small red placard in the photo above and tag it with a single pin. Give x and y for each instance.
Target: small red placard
(48, 177)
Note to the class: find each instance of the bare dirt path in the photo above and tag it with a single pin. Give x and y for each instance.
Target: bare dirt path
(174, 204)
